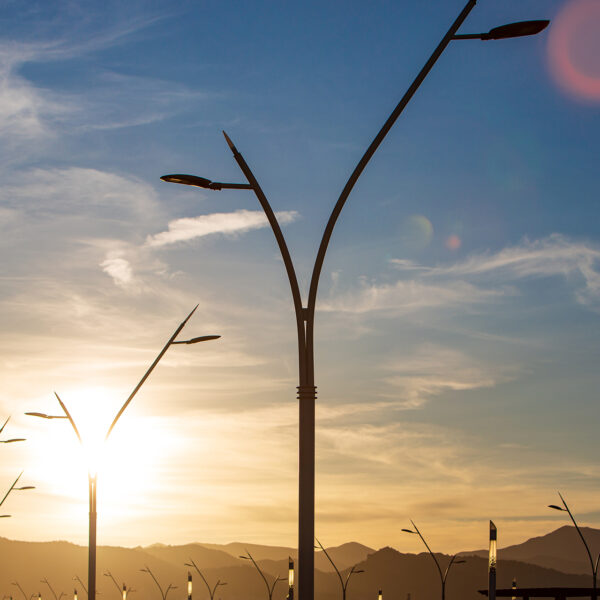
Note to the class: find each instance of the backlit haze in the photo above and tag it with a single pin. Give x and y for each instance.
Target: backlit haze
(458, 316)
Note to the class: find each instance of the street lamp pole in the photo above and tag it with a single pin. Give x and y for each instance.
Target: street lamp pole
(444, 575)
(211, 591)
(92, 474)
(351, 572)
(594, 565)
(305, 315)
(270, 588)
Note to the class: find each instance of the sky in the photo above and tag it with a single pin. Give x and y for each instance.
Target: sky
(458, 316)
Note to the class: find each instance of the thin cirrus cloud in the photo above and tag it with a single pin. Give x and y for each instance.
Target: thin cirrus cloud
(240, 221)
(480, 277)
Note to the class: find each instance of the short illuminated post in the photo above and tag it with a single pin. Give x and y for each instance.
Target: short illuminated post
(380, 595)
(74, 594)
(514, 588)
(290, 595)
(124, 592)
(189, 588)
(492, 562)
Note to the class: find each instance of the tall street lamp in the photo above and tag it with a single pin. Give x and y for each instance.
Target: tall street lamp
(352, 571)
(444, 575)
(211, 591)
(593, 565)
(305, 315)
(92, 474)
(270, 588)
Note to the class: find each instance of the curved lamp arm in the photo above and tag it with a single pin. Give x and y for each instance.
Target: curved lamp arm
(314, 282)
(259, 570)
(587, 548)
(285, 253)
(193, 564)
(332, 564)
(437, 564)
(62, 405)
(147, 373)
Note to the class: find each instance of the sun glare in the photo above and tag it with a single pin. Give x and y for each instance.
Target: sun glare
(126, 464)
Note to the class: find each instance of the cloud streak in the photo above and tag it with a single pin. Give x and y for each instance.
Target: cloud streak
(480, 278)
(240, 221)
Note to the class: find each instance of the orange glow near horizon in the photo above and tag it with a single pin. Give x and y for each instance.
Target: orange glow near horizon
(573, 47)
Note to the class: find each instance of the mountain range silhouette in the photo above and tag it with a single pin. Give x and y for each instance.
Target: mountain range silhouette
(555, 559)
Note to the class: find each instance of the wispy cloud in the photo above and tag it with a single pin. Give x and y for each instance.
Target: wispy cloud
(479, 278)
(240, 221)
(433, 370)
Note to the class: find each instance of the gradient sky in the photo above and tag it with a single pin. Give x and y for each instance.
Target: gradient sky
(458, 318)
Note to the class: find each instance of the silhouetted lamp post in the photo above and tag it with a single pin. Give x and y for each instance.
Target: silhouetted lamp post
(444, 575)
(270, 588)
(593, 565)
(18, 585)
(343, 583)
(305, 314)
(211, 591)
(492, 561)
(92, 474)
(169, 587)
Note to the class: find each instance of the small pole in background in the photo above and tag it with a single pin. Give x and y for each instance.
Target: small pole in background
(492, 562)
(189, 588)
(290, 595)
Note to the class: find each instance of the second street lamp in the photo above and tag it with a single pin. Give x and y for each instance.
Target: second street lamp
(211, 591)
(92, 474)
(352, 571)
(270, 588)
(305, 314)
(444, 575)
(593, 565)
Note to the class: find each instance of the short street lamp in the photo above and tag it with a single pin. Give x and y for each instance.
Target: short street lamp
(270, 588)
(92, 474)
(352, 571)
(305, 314)
(211, 591)
(444, 575)
(593, 565)
(169, 587)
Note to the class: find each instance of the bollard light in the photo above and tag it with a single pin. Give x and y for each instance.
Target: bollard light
(380, 595)
(189, 586)
(124, 592)
(514, 588)
(74, 594)
(492, 562)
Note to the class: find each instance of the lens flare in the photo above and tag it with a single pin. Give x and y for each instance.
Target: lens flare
(417, 232)
(574, 47)
(453, 242)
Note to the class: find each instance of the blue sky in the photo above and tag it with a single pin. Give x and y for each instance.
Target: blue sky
(458, 311)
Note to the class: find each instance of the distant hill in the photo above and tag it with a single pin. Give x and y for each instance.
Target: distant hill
(396, 573)
(561, 549)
